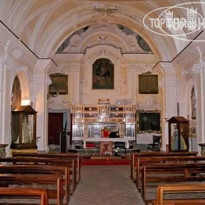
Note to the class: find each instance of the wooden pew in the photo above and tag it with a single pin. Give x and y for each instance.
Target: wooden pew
(171, 172)
(41, 179)
(22, 193)
(39, 169)
(44, 154)
(163, 189)
(52, 161)
(163, 159)
(135, 156)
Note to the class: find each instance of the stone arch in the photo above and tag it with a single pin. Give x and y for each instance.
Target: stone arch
(16, 94)
(60, 34)
(25, 90)
(23, 82)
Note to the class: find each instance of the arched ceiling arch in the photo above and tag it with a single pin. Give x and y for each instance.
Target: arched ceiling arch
(62, 31)
(44, 25)
(114, 35)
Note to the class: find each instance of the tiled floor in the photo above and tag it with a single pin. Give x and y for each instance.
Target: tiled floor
(106, 185)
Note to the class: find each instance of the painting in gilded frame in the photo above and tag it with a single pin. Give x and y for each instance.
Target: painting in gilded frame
(103, 74)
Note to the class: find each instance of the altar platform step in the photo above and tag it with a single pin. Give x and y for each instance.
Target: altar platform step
(106, 160)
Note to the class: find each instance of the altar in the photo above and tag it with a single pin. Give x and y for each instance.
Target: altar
(104, 139)
(96, 123)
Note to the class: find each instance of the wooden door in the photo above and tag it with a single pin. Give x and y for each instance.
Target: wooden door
(55, 126)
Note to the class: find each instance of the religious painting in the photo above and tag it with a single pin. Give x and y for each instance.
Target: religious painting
(103, 74)
(104, 111)
(148, 84)
(59, 84)
(106, 148)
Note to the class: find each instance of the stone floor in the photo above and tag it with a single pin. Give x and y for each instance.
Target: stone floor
(106, 185)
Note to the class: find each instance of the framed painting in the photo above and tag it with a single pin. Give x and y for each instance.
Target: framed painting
(106, 148)
(59, 84)
(103, 74)
(148, 84)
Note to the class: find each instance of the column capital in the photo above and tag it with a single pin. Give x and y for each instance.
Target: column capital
(167, 67)
(42, 65)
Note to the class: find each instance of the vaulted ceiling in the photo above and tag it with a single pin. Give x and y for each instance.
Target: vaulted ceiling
(43, 25)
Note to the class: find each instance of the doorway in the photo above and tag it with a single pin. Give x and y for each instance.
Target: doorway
(55, 126)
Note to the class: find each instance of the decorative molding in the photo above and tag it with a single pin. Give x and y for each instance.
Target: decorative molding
(58, 103)
(149, 103)
(104, 34)
(106, 10)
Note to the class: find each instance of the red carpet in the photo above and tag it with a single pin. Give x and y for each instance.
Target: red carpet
(105, 161)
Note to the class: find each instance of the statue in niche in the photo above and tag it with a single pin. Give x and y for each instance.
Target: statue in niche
(193, 104)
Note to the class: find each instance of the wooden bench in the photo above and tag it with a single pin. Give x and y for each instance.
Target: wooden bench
(77, 158)
(39, 169)
(41, 179)
(163, 189)
(22, 193)
(70, 163)
(135, 156)
(163, 159)
(171, 172)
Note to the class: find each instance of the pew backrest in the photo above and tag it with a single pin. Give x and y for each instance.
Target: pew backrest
(163, 189)
(25, 192)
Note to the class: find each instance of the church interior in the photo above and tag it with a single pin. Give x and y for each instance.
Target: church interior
(103, 79)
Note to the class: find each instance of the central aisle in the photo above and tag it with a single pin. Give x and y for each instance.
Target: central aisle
(106, 185)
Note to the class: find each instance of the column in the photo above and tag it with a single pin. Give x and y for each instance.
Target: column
(131, 82)
(200, 92)
(1, 97)
(75, 86)
(6, 76)
(39, 94)
(169, 99)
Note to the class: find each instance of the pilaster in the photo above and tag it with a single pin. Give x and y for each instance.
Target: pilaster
(75, 82)
(40, 90)
(169, 99)
(201, 106)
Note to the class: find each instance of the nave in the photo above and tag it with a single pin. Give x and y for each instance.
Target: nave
(106, 185)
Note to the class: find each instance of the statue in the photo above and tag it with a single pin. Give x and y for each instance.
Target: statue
(26, 131)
